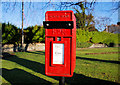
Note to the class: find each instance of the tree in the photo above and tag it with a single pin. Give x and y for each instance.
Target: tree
(83, 20)
(10, 34)
(84, 23)
(84, 17)
(34, 34)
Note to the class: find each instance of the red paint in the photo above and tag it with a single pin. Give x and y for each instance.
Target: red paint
(68, 38)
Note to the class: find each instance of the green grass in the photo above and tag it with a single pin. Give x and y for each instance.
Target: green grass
(29, 68)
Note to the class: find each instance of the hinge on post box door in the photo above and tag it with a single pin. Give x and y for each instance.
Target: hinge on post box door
(58, 24)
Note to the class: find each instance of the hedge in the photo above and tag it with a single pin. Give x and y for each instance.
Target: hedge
(34, 34)
(96, 37)
(11, 34)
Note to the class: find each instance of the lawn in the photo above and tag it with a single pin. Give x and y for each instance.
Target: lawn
(29, 68)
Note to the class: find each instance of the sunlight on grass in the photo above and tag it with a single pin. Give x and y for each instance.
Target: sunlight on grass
(29, 67)
(102, 66)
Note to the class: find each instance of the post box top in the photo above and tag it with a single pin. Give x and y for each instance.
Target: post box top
(59, 11)
(59, 15)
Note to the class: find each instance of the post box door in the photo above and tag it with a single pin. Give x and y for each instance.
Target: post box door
(58, 64)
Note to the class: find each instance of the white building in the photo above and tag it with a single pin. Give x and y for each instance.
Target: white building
(113, 28)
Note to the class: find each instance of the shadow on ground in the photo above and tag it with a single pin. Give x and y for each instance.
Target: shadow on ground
(78, 79)
(35, 66)
(91, 59)
(18, 76)
(37, 52)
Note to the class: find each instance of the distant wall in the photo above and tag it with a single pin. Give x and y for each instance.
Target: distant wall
(98, 46)
(29, 47)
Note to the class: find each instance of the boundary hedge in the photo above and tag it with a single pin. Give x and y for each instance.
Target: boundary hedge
(86, 38)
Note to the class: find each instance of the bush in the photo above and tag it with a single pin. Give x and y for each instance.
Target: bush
(34, 34)
(83, 37)
(97, 37)
(83, 44)
(111, 38)
(10, 34)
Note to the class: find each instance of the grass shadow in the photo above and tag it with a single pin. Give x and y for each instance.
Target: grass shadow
(35, 66)
(79, 79)
(18, 76)
(91, 59)
(37, 52)
(40, 68)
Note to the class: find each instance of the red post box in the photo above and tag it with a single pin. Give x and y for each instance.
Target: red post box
(60, 43)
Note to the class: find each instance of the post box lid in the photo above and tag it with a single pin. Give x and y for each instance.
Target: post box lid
(59, 15)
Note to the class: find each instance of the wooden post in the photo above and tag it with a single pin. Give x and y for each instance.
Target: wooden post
(22, 41)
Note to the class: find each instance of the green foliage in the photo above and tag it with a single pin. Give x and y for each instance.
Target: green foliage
(83, 44)
(86, 38)
(10, 34)
(106, 38)
(83, 36)
(97, 37)
(34, 34)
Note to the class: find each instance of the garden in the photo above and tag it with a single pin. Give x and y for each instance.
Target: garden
(93, 65)
(36, 34)
(29, 68)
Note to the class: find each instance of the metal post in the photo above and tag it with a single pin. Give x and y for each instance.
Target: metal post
(62, 81)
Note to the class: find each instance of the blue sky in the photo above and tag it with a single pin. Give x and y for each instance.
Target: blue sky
(35, 15)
